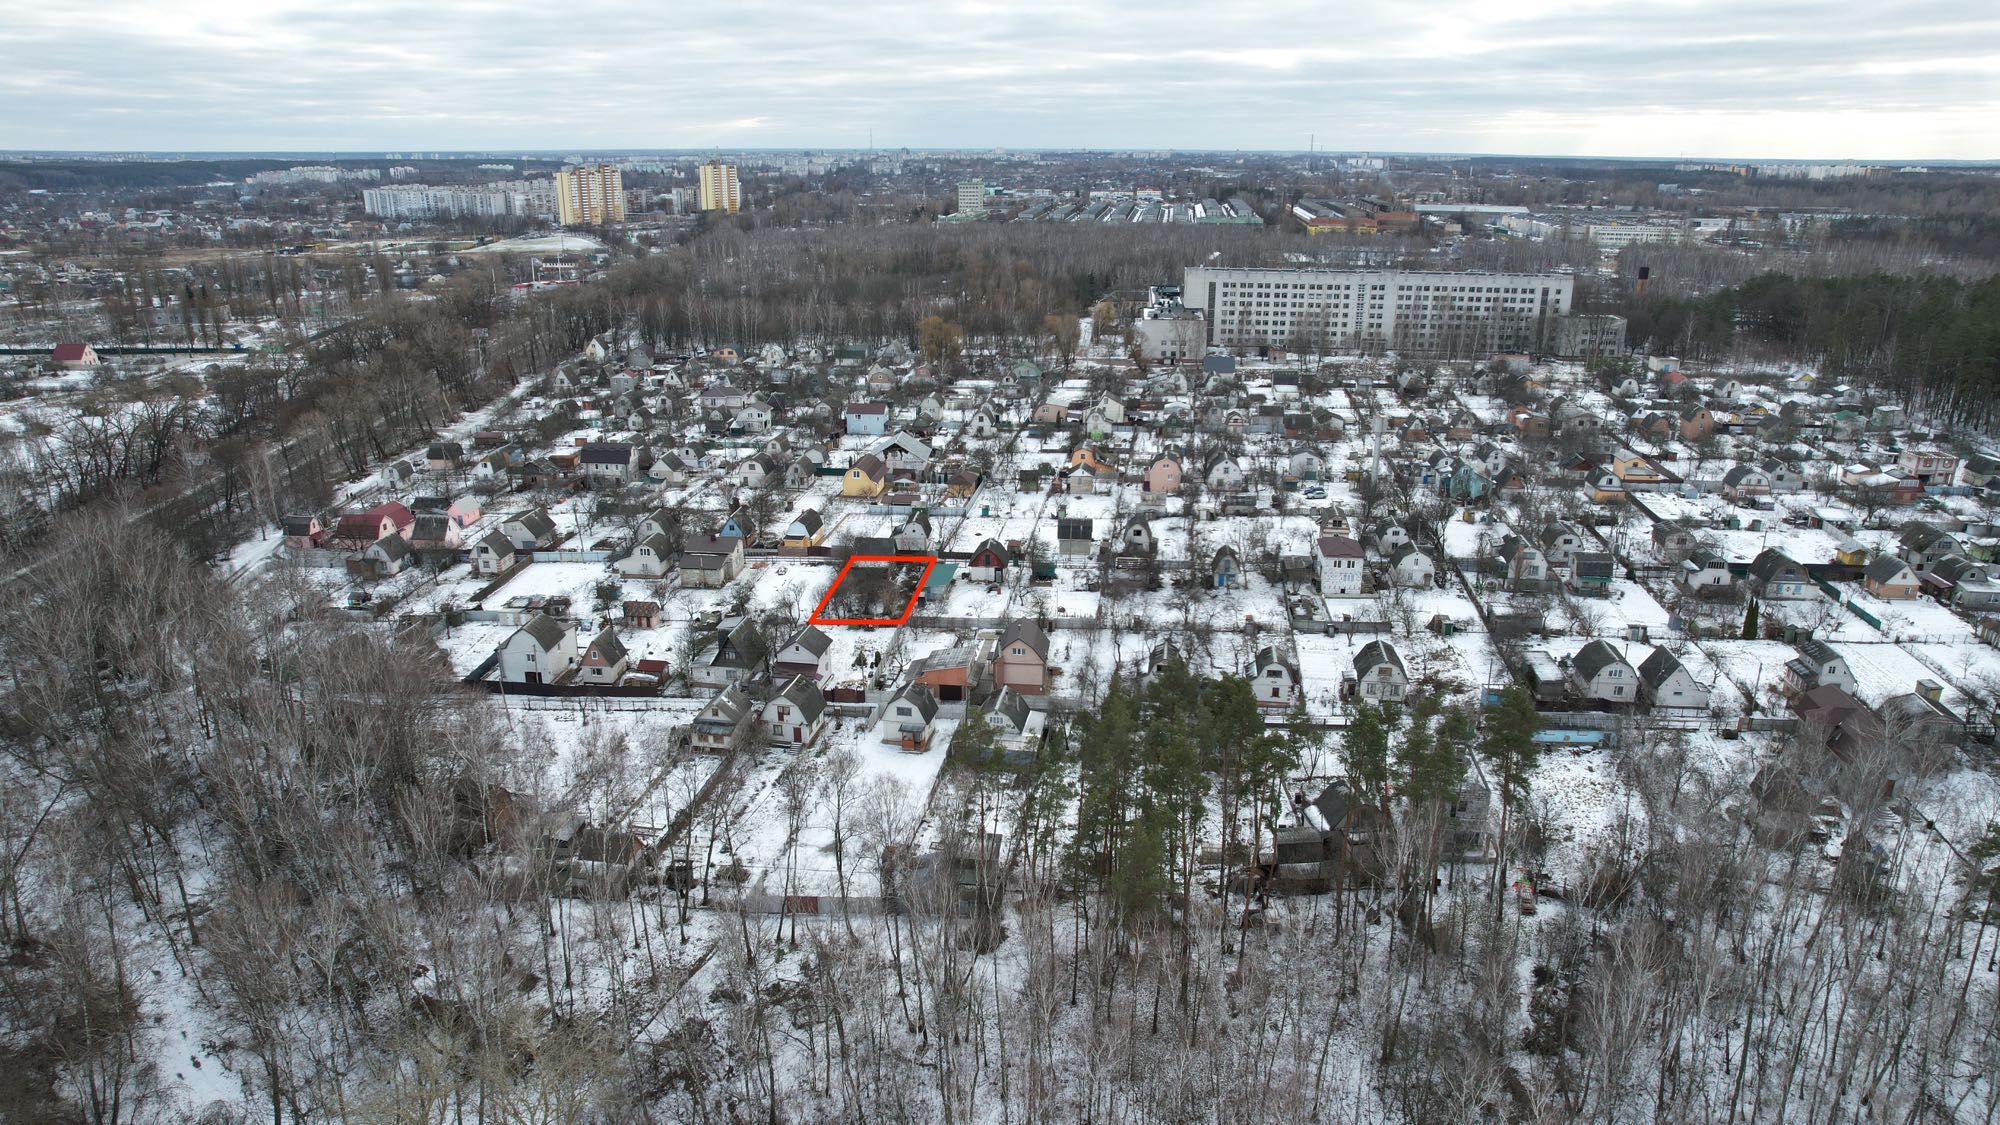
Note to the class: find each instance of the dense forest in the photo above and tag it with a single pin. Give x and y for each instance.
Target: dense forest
(1931, 342)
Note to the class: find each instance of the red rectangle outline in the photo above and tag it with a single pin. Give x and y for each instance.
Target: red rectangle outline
(930, 563)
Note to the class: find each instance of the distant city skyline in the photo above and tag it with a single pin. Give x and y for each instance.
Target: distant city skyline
(1697, 79)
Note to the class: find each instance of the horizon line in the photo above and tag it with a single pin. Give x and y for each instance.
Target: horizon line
(710, 151)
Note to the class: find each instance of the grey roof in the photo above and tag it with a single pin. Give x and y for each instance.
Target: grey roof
(535, 522)
(430, 526)
(1920, 536)
(1073, 527)
(707, 551)
(1957, 568)
(1272, 654)
(606, 453)
(392, 546)
(811, 519)
(1658, 668)
(497, 543)
(1593, 658)
(1375, 653)
(802, 693)
(1028, 633)
(727, 708)
(812, 640)
(1592, 564)
(920, 697)
(1012, 707)
(608, 645)
(1818, 652)
(1886, 568)
(545, 631)
(1770, 562)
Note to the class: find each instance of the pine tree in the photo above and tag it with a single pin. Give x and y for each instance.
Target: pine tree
(1509, 747)
(1364, 749)
(1750, 621)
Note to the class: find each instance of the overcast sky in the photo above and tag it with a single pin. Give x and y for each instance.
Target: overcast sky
(1743, 78)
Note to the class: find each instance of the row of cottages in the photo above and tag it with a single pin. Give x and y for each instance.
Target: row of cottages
(511, 540)
(1601, 674)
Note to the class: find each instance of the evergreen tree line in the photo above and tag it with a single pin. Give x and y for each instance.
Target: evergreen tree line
(1931, 342)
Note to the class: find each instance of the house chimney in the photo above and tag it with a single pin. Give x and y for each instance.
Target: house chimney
(1931, 690)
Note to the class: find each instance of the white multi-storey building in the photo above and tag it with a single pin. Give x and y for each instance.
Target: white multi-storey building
(1429, 312)
(421, 201)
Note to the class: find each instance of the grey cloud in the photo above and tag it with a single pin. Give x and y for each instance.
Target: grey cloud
(589, 74)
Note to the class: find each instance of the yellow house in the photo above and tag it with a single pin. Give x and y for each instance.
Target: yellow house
(865, 478)
(1850, 553)
(1633, 467)
(1088, 456)
(1606, 488)
(806, 532)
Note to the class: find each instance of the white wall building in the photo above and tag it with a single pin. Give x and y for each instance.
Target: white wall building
(1422, 312)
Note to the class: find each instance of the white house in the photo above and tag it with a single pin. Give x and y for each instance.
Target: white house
(651, 557)
(1411, 567)
(493, 554)
(543, 651)
(1225, 475)
(1665, 683)
(1379, 675)
(908, 720)
(795, 716)
(1340, 568)
(608, 462)
(1600, 673)
(1274, 677)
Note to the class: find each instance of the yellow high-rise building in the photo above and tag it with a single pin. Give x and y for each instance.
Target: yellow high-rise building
(590, 195)
(718, 188)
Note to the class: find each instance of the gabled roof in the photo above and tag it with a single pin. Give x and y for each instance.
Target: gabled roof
(727, 708)
(706, 551)
(812, 640)
(1817, 652)
(1658, 668)
(1886, 568)
(1920, 536)
(1272, 654)
(607, 646)
(545, 631)
(994, 545)
(870, 466)
(802, 693)
(1771, 562)
(1339, 547)
(1593, 658)
(1028, 633)
(1376, 653)
(606, 453)
(535, 522)
(1592, 564)
(920, 697)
